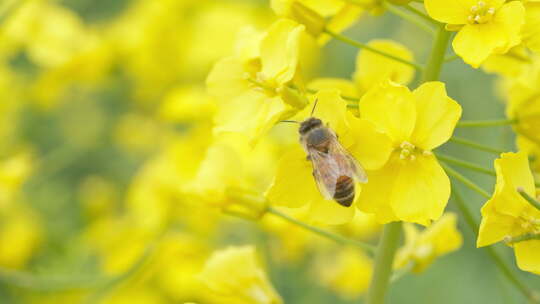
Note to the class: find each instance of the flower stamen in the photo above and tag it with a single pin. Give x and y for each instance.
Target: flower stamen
(480, 13)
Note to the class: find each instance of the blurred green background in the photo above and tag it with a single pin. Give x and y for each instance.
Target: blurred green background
(90, 122)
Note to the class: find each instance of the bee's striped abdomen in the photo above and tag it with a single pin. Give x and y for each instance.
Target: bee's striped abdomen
(344, 194)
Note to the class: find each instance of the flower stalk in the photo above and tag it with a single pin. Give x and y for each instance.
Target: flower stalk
(486, 123)
(522, 238)
(494, 254)
(384, 261)
(471, 144)
(436, 59)
(417, 12)
(528, 198)
(370, 249)
(467, 182)
(368, 48)
(464, 164)
(412, 18)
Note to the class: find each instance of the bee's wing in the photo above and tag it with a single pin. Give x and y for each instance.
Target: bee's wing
(349, 166)
(329, 167)
(325, 172)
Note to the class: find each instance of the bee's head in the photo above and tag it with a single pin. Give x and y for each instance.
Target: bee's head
(309, 124)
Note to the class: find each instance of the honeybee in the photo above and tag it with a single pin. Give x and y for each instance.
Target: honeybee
(335, 170)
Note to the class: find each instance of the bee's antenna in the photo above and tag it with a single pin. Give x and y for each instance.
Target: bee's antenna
(291, 121)
(314, 106)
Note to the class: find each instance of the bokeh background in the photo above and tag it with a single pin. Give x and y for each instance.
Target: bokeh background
(103, 112)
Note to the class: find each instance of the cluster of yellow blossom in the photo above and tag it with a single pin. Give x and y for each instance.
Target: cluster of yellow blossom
(135, 148)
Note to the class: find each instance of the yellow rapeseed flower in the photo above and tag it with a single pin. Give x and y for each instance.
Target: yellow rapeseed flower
(523, 96)
(484, 27)
(20, 236)
(334, 15)
(411, 186)
(371, 69)
(50, 33)
(531, 30)
(347, 271)
(253, 86)
(422, 248)
(235, 276)
(232, 176)
(512, 64)
(507, 214)
(294, 185)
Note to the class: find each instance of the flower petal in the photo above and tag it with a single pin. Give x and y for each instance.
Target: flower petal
(294, 185)
(252, 114)
(436, 116)
(531, 30)
(375, 195)
(330, 108)
(420, 191)
(372, 68)
(227, 78)
(527, 255)
(494, 227)
(511, 19)
(391, 108)
(512, 172)
(344, 86)
(453, 12)
(443, 234)
(280, 51)
(476, 42)
(330, 212)
(370, 147)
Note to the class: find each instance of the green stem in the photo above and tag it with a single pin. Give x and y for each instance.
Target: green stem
(368, 48)
(485, 123)
(464, 164)
(436, 59)
(495, 256)
(451, 58)
(523, 238)
(396, 275)
(466, 142)
(529, 199)
(329, 235)
(511, 276)
(409, 17)
(384, 261)
(419, 13)
(467, 182)
(464, 209)
(49, 283)
(102, 292)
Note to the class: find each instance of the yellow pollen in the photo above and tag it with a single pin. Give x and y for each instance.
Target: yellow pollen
(407, 151)
(481, 13)
(529, 223)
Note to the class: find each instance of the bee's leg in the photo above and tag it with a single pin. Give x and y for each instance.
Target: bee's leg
(308, 158)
